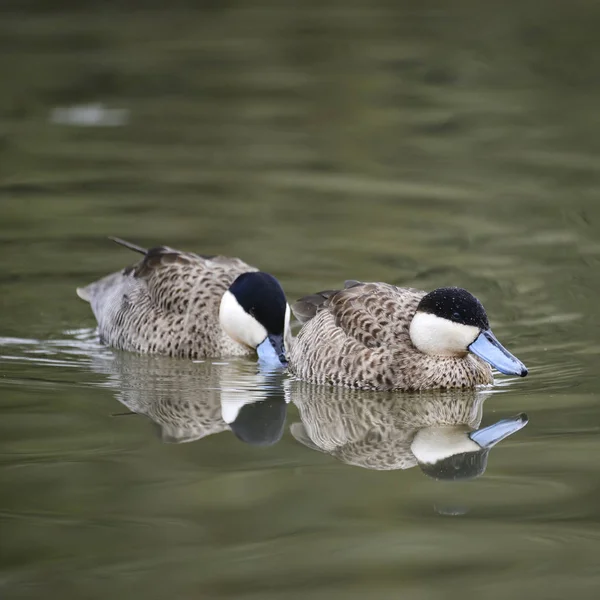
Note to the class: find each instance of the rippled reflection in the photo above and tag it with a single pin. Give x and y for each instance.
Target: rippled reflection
(436, 431)
(190, 400)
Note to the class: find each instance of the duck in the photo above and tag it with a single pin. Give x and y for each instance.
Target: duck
(377, 336)
(187, 305)
(189, 401)
(437, 431)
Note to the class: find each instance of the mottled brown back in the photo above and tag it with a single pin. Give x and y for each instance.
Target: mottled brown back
(359, 337)
(168, 303)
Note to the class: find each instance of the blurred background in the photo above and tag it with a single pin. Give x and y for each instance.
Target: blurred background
(421, 143)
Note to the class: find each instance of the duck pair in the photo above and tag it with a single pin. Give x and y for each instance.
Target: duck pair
(371, 336)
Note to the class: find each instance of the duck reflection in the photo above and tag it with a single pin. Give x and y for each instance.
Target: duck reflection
(189, 401)
(437, 431)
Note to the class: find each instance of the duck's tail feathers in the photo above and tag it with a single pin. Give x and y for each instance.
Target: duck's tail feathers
(83, 293)
(100, 288)
(129, 245)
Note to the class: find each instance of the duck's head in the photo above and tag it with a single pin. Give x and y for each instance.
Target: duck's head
(255, 313)
(451, 322)
(452, 453)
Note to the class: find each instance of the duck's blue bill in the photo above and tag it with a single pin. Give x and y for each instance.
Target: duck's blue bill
(271, 351)
(486, 346)
(490, 436)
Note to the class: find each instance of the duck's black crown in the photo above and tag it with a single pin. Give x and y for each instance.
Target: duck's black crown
(459, 467)
(455, 304)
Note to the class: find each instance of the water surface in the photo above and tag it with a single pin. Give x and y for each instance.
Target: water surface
(411, 143)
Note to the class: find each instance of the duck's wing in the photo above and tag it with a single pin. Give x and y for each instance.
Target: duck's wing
(166, 274)
(373, 314)
(173, 278)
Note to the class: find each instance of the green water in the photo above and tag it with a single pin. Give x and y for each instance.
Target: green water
(406, 142)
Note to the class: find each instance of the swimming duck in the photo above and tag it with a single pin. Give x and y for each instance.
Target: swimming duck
(186, 305)
(438, 431)
(376, 336)
(189, 401)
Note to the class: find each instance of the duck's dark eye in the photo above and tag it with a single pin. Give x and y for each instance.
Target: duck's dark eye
(456, 316)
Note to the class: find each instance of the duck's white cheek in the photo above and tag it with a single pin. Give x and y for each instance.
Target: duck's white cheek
(433, 444)
(231, 409)
(441, 337)
(238, 324)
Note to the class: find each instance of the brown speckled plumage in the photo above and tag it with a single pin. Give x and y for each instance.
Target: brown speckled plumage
(167, 303)
(374, 430)
(359, 337)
